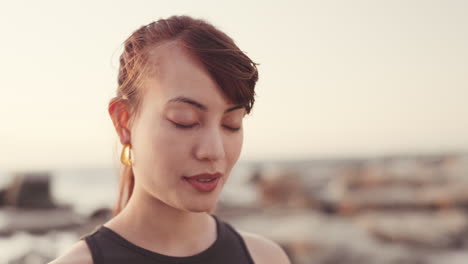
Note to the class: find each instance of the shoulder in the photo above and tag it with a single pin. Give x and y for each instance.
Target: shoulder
(264, 250)
(77, 254)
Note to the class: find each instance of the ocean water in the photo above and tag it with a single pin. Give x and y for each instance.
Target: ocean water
(86, 190)
(335, 238)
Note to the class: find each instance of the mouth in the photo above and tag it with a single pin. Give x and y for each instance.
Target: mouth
(204, 176)
(205, 182)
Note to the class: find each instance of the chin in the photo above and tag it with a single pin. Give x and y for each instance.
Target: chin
(206, 206)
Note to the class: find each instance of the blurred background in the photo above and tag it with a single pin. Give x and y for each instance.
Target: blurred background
(356, 150)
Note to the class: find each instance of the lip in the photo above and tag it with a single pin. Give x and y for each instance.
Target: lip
(204, 187)
(205, 176)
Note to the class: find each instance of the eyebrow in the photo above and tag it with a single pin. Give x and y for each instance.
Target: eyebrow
(183, 99)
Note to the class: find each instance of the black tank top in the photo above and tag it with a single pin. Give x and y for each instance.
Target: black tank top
(108, 247)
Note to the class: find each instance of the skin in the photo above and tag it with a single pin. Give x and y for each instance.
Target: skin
(165, 213)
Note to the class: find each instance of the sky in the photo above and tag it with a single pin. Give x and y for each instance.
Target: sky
(337, 78)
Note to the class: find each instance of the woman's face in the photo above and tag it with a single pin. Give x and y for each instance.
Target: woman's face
(185, 127)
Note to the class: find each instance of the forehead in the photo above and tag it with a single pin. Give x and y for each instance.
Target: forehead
(177, 73)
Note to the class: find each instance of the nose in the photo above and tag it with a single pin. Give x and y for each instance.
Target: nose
(210, 145)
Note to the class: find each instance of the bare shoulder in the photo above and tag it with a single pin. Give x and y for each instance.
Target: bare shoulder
(263, 250)
(78, 254)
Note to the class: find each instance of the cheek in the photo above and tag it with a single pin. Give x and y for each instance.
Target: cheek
(233, 148)
(169, 145)
(157, 148)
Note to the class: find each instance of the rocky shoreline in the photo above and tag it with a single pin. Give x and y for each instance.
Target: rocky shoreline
(397, 210)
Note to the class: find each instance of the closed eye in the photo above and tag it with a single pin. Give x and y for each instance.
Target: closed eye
(181, 126)
(232, 128)
(184, 126)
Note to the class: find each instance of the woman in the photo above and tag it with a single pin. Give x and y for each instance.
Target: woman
(184, 88)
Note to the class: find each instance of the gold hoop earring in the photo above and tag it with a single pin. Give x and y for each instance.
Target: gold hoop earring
(126, 156)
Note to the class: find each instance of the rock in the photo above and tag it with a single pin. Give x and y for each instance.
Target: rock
(448, 257)
(282, 188)
(101, 214)
(444, 229)
(32, 257)
(310, 237)
(29, 191)
(426, 184)
(2, 197)
(37, 221)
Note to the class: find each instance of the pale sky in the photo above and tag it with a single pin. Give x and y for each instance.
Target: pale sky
(337, 78)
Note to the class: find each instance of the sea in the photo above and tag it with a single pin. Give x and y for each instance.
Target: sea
(87, 190)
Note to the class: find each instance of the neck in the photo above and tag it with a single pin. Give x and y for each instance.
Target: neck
(154, 225)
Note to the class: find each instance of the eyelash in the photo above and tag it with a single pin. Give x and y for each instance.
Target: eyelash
(232, 129)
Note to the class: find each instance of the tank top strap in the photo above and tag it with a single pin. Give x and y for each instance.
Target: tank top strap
(93, 245)
(231, 239)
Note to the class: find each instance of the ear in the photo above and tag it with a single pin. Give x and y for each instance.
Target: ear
(119, 111)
